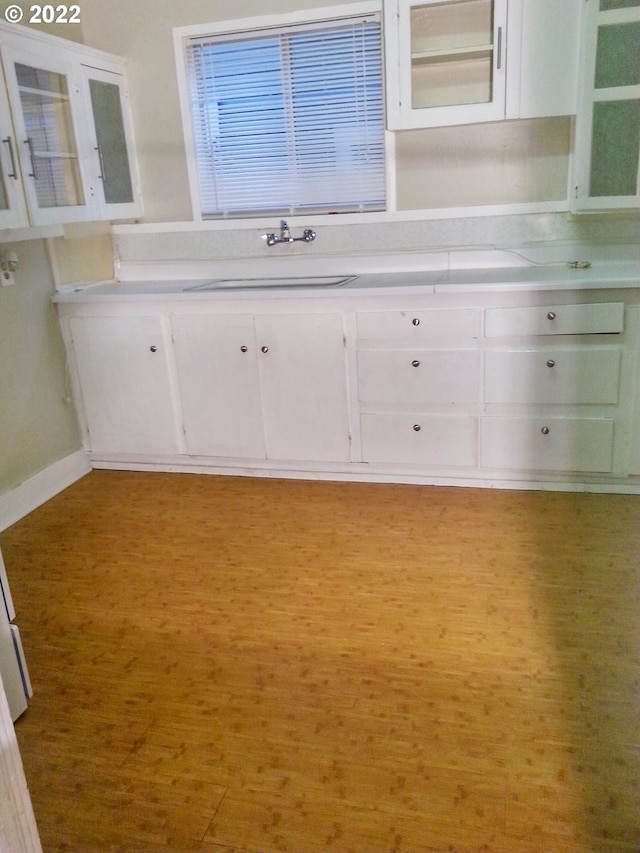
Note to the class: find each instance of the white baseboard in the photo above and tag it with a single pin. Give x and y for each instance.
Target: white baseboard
(35, 491)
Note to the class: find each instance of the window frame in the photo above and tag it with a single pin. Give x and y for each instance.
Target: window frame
(245, 26)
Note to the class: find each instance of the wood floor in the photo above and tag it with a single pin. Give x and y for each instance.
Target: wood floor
(229, 664)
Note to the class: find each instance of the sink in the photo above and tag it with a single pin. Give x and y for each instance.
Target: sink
(262, 283)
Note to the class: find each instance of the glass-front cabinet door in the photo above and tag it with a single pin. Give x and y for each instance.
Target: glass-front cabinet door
(44, 99)
(114, 177)
(446, 61)
(13, 210)
(607, 173)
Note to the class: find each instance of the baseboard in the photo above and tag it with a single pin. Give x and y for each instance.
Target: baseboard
(35, 491)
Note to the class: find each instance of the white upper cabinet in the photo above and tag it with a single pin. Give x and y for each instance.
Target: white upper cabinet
(465, 61)
(445, 61)
(113, 172)
(45, 102)
(13, 210)
(67, 135)
(606, 163)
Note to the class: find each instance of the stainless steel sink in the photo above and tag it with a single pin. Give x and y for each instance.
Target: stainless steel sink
(271, 283)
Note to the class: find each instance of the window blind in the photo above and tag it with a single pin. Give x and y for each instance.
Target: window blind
(289, 121)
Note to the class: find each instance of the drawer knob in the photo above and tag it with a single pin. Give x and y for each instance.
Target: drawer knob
(415, 321)
(545, 430)
(153, 348)
(243, 348)
(551, 363)
(551, 315)
(415, 363)
(264, 349)
(417, 427)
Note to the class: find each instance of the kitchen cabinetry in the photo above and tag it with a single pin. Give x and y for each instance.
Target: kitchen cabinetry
(115, 182)
(266, 386)
(553, 380)
(124, 383)
(445, 61)
(418, 386)
(521, 386)
(67, 140)
(454, 62)
(13, 210)
(606, 162)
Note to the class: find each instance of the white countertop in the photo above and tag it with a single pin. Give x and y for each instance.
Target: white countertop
(551, 276)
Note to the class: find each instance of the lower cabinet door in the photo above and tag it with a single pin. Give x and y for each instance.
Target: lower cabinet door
(219, 385)
(443, 440)
(123, 368)
(547, 444)
(303, 379)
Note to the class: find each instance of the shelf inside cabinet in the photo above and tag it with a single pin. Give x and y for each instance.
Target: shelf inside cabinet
(481, 51)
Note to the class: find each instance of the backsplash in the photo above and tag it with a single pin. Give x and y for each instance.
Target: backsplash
(195, 250)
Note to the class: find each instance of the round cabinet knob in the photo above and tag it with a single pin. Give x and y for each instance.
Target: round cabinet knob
(415, 363)
(243, 348)
(153, 349)
(551, 315)
(415, 321)
(264, 349)
(417, 427)
(551, 363)
(545, 430)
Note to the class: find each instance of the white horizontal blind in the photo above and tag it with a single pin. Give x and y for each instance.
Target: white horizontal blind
(289, 121)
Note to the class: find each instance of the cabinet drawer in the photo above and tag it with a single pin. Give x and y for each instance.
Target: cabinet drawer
(440, 377)
(547, 444)
(415, 440)
(599, 318)
(560, 377)
(416, 329)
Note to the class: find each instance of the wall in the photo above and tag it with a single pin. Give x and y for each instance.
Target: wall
(507, 162)
(501, 163)
(38, 424)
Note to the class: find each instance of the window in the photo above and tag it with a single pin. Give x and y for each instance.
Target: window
(288, 120)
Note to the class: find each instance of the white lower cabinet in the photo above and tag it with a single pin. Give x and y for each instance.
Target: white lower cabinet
(581, 375)
(568, 444)
(471, 389)
(418, 387)
(265, 386)
(123, 368)
(417, 376)
(219, 385)
(553, 398)
(433, 440)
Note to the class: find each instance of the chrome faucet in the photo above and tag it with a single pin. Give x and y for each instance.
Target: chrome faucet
(285, 235)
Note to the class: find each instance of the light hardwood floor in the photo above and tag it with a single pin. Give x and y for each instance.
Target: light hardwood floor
(227, 664)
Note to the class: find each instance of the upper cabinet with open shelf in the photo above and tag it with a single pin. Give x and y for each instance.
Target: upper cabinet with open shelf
(67, 152)
(454, 62)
